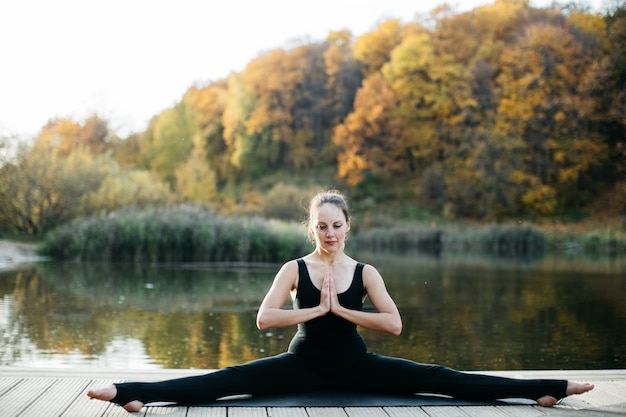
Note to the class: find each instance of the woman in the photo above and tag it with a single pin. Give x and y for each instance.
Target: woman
(328, 289)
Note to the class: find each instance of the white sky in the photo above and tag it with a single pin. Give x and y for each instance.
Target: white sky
(127, 60)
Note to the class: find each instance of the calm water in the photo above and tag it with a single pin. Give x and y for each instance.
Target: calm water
(467, 313)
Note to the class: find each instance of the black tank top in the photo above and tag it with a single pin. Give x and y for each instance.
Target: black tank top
(329, 336)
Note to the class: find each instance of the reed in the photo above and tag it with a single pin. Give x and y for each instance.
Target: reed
(197, 234)
(493, 239)
(175, 234)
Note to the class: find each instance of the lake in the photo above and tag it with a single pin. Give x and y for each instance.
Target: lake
(467, 312)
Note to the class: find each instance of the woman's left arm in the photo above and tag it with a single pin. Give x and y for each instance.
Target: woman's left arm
(386, 318)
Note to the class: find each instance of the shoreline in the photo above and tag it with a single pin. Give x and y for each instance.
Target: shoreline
(14, 254)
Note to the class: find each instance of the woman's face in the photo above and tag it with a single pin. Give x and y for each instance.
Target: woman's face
(329, 227)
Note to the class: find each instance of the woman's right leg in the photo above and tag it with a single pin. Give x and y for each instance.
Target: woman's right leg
(282, 373)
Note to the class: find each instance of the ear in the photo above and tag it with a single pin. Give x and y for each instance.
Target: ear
(348, 226)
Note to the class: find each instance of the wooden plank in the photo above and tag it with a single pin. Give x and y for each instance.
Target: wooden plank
(207, 412)
(56, 399)
(444, 411)
(84, 406)
(405, 412)
(617, 388)
(23, 396)
(247, 412)
(169, 411)
(325, 412)
(7, 384)
(286, 412)
(365, 412)
(602, 395)
(574, 402)
(521, 411)
(117, 411)
(483, 411)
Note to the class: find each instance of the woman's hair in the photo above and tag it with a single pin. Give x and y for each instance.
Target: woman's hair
(329, 197)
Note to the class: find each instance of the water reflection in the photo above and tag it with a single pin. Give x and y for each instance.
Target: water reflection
(553, 313)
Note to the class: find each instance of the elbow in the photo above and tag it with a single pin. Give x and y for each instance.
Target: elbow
(261, 322)
(396, 329)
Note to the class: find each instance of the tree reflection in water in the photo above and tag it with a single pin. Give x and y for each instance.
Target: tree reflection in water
(553, 313)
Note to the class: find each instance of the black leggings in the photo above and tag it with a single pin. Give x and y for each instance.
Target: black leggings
(290, 373)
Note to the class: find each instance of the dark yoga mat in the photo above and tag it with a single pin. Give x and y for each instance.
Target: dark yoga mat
(342, 399)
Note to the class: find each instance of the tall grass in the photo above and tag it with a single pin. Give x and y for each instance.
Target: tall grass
(175, 234)
(493, 239)
(197, 234)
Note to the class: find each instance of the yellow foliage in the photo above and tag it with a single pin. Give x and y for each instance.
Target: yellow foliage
(239, 103)
(195, 181)
(59, 135)
(592, 25)
(368, 137)
(374, 48)
(540, 199)
(131, 188)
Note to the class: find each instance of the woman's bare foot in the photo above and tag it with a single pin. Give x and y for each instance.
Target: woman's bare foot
(573, 388)
(108, 393)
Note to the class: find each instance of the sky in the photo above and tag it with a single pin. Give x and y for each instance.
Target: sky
(128, 60)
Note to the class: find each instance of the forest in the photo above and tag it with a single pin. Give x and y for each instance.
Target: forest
(507, 112)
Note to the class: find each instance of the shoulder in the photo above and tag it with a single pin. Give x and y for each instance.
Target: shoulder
(287, 276)
(369, 270)
(289, 267)
(371, 276)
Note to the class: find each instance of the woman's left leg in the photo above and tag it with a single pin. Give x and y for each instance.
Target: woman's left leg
(394, 375)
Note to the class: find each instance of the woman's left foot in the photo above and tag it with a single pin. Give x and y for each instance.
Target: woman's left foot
(573, 388)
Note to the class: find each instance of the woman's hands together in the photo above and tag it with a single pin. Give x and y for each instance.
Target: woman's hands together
(329, 301)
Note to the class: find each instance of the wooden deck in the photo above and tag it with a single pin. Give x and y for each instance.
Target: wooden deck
(26, 392)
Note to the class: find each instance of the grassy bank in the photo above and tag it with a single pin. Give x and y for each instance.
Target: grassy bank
(175, 234)
(192, 234)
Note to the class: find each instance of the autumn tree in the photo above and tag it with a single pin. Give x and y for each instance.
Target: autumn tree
(368, 136)
(539, 79)
(373, 49)
(343, 73)
(209, 104)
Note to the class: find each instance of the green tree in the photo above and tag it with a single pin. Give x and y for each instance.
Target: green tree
(167, 142)
(195, 181)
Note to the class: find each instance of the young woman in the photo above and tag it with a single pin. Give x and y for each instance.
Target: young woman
(328, 289)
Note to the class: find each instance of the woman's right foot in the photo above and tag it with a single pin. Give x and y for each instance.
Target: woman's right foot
(109, 393)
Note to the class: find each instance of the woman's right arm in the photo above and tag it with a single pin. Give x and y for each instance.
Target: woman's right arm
(271, 313)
